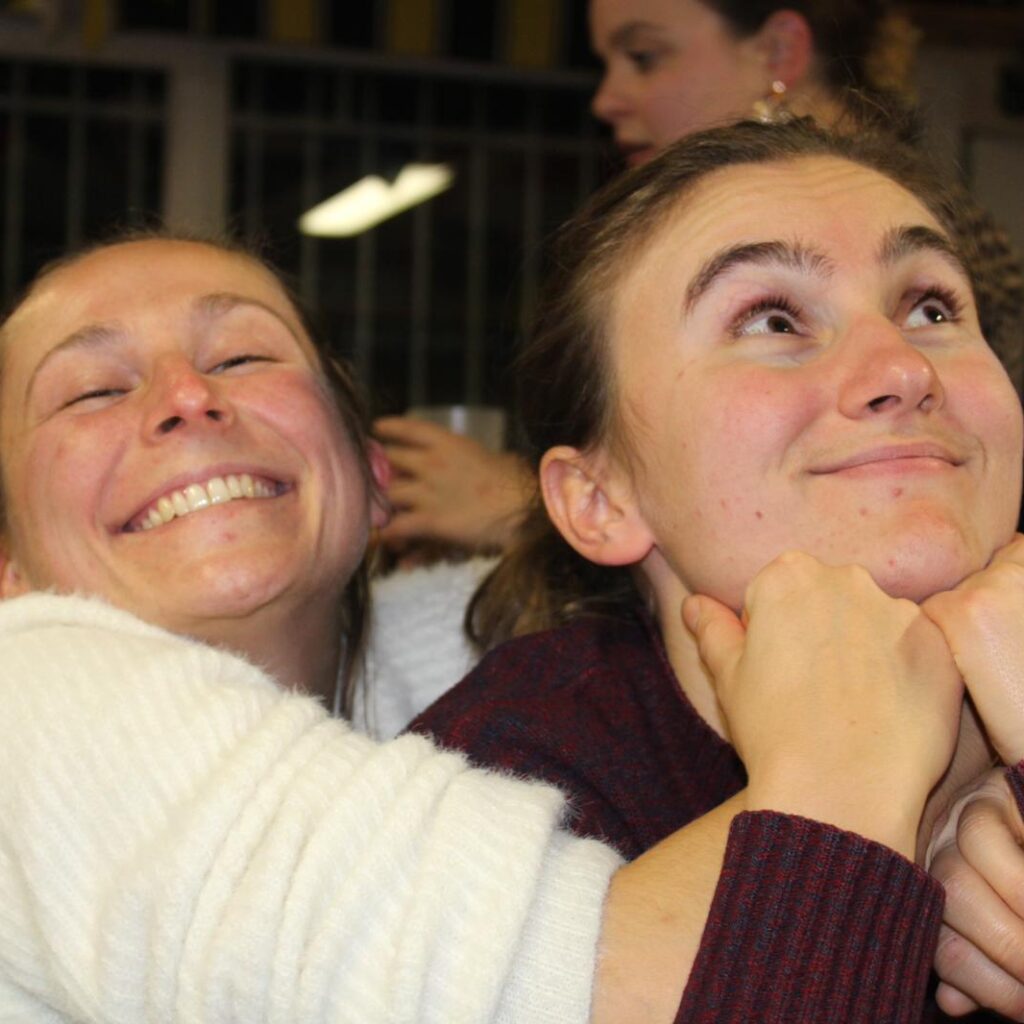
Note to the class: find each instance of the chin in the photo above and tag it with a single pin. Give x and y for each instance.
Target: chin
(918, 571)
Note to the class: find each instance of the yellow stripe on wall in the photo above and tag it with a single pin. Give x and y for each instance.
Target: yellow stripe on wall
(95, 23)
(412, 26)
(531, 32)
(293, 21)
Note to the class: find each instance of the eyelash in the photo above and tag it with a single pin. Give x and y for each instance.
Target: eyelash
(947, 297)
(227, 364)
(240, 360)
(769, 304)
(643, 60)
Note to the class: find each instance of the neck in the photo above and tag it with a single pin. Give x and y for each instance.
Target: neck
(667, 592)
(300, 648)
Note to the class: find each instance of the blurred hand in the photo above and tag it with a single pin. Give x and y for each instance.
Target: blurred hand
(983, 622)
(976, 855)
(450, 488)
(842, 702)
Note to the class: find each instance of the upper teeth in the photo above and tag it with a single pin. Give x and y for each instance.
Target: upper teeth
(215, 491)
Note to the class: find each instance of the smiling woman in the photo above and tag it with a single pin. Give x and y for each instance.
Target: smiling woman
(157, 381)
(759, 400)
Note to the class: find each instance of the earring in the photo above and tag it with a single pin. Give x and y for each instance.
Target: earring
(771, 108)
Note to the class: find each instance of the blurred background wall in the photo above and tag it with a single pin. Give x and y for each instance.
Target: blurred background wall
(226, 115)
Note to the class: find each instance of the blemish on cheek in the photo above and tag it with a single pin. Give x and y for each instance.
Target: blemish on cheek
(759, 514)
(863, 511)
(897, 492)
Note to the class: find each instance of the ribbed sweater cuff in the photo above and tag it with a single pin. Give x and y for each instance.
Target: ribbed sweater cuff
(811, 923)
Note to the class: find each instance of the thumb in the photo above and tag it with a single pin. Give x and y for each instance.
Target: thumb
(719, 634)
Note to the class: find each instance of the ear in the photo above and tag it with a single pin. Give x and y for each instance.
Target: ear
(13, 582)
(787, 42)
(591, 504)
(382, 473)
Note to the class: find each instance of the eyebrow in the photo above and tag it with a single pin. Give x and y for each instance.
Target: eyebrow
(904, 241)
(897, 244)
(625, 35)
(789, 255)
(112, 334)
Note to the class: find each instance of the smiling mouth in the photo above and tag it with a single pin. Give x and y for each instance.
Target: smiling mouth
(218, 490)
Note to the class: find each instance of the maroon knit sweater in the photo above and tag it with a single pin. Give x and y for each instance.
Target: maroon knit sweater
(808, 923)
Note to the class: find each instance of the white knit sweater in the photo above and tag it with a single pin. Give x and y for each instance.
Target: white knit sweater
(181, 841)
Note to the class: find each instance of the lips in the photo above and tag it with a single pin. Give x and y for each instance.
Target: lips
(891, 453)
(199, 494)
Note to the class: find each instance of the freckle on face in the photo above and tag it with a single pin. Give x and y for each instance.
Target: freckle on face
(759, 514)
(863, 511)
(897, 492)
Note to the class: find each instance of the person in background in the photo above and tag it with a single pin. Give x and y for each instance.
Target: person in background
(672, 67)
(757, 391)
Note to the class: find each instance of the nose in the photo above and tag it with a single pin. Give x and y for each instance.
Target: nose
(181, 398)
(887, 376)
(609, 103)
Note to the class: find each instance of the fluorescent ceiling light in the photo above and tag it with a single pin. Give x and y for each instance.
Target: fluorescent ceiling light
(373, 199)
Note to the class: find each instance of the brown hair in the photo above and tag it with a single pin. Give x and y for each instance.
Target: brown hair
(565, 391)
(863, 48)
(341, 383)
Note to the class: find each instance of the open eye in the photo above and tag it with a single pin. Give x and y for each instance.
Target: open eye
(934, 306)
(774, 315)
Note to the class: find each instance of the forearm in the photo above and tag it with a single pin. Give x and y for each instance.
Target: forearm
(767, 917)
(180, 841)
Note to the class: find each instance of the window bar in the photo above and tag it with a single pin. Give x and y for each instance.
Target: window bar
(76, 169)
(312, 193)
(476, 262)
(253, 173)
(137, 148)
(366, 259)
(15, 182)
(422, 244)
(532, 215)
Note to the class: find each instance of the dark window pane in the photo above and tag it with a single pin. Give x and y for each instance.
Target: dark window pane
(44, 206)
(245, 85)
(109, 84)
(284, 89)
(107, 147)
(577, 26)
(397, 99)
(48, 80)
(507, 108)
(353, 24)
(282, 195)
(153, 87)
(153, 14)
(471, 29)
(237, 20)
(391, 329)
(339, 168)
(565, 112)
(153, 171)
(454, 105)
(5, 76)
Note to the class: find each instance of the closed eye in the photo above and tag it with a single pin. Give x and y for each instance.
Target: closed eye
(96, 393)
(240, 360)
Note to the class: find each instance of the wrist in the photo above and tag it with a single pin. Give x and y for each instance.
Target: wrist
(883, 816)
